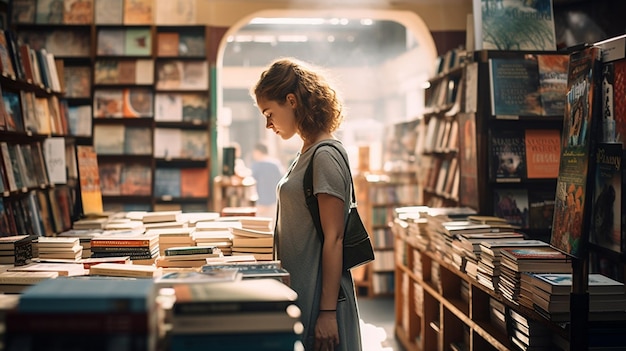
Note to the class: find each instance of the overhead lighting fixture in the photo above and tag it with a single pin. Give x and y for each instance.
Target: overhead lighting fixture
(293, 38)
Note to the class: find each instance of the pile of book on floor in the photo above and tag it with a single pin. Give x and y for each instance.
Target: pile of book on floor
(256, 314)
(551, 296)
(95, 313)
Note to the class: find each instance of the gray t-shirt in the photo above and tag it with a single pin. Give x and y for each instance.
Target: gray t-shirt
(299, 247)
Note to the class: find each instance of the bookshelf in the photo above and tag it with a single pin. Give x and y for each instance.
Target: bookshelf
(38, 176)
(517, 136)
(377, 197)
(137, 89)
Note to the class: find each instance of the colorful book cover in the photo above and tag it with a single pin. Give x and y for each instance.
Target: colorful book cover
(514, 25)
(138, 42)
(195, 107)
(194, 182)
(109, 11)
(168, 107)
(110, 42)
(553, 83)
(570, 223)
(78, 12)
(507, 150)
(90, 192)
(138, 102)
(108, 103)
(138, 11)
(543, 153)
(77, 81)
(167, 182)
(167, 44)
(110, 178)
(137, 141)
(512, 205)
(607, 197)
(514, 87)
(136, 180)
(534, 252)
(540, 209)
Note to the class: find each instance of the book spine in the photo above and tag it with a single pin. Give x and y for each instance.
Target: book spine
(78, 322)
(126, 243)
(69, 304)
(121, 272)
(180, 252)
(204, 307)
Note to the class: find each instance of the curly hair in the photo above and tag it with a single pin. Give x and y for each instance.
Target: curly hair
(318, 108)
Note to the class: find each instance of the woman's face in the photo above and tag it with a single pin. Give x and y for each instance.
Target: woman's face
(280, 118)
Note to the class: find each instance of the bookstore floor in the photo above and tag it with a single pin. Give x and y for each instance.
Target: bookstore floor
(378, 319)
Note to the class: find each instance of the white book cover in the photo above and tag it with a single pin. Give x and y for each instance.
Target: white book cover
(168, 107)
(167, 143)
(54, 155)
(108, 139)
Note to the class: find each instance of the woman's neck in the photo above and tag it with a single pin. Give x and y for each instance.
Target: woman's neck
(308, 143)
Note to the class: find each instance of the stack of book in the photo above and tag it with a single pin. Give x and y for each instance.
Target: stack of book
(170, 279)
(62, 269)
(99, 313)
(528, 334)
(163, 220)
(516, 260)
(65, 248)
(256, 314)
(84, 236)
(551, 296)
(16, 249)
(259, 243)
(192, 218)
(16, 282)
(488, 273)
(142, 249)
(187, 256)
(215, 233)
(173, 237)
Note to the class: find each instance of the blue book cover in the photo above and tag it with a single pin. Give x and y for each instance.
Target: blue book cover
(89, 295)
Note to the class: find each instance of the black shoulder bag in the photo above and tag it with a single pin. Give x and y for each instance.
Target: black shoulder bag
(357, 248)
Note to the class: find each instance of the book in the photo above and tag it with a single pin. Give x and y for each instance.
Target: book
(541, 259)
(606, 213)
(552, 82)
(88, 295)
(514, 85)
(543, 153)
(468, 163)
(25, 278)
(108, 11)
(78, 12)
(167, 143)
(136, 180)
(168, 107)
(194, 182)
(63, 269)
(23, 11)
(513, 25)
(167, 182)
(239, 296)
(137, 141)
(570, 213)
(540, 209)
(192, 44)
(561, 283)
(138, 42)
(169, 279)
(138, 12)
(117, 240)
(138, 102)
(108, 139)
(195, 107)
(167, 44)
(507, 151)
(123, 270)
(108, 103)
(168, 13)
(512, 205)
(91, 194)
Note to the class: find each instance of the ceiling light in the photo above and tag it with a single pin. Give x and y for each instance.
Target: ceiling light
(288, 21)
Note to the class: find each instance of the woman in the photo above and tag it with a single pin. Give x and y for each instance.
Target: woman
(295, 99)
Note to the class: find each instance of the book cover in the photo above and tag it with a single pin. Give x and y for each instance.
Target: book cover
(468, 162)
(108, 11)
(561, 283)
(512, 205)
(513, 25)
(111, 42)
(77, 81)
(175, 13)
(55, 157)
(6, 64)
(195, 75)
(613, 104)
(514, 84)
(169, 75)
(13, 110)
(78, 12)
(137, 141)
(540, 209)
(68, 43)
(571, 217)
(108, 139)
(138, 42)
(123, 270)
(89, 295)
(138, 102)
(194, 182)
(167, 44)
(553, 82)
(507, 150)
(192, 44)
(168, 107)
(108, 103)
(90, 192)
(136, 180)
(79, 120)
(195, 144)
(50, 11)
(110, 178)
(168, 143)
(167, 182)
(23, 11)
(195, 107)
(138, 11)
(606, 213)
(543, 153)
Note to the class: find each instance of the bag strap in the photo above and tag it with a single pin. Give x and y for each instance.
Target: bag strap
(311, 200)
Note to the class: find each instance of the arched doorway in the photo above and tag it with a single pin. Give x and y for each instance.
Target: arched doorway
(378, 58)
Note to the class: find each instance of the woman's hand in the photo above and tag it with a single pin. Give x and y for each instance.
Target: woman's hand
(326, 331)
